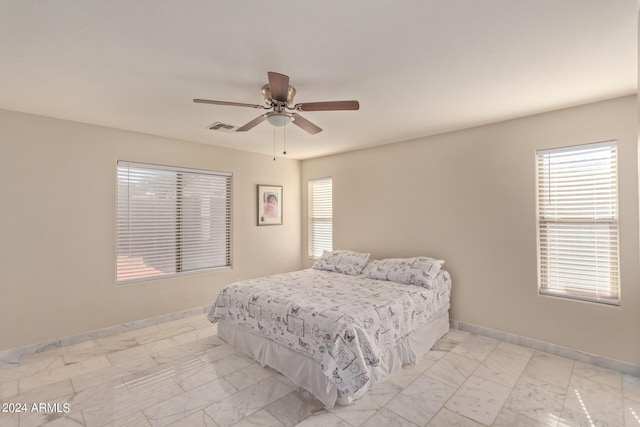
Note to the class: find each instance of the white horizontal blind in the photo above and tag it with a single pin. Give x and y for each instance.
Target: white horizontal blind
(171, 221)
(578, 222)
(320, 216)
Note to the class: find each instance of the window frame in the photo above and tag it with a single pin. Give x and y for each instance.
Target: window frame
(585, 209)
(214, 181)
(312, 187)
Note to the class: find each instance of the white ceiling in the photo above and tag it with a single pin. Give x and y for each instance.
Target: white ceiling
(418, 67)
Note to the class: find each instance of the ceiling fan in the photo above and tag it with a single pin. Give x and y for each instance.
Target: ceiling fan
(278, 97)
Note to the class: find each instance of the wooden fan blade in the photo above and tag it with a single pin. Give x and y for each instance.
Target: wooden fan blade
(328, 106)
(305, 124)
(253, 123)
(233, 104)
(279, 86)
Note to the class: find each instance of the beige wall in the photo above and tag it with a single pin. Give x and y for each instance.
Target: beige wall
(468, 197)
(57, 227)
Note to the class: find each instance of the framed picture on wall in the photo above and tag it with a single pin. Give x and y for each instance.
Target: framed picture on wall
(269, 204)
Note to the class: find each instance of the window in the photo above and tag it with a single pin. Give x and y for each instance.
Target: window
(320, 216)
(578, 222)
(171, 221)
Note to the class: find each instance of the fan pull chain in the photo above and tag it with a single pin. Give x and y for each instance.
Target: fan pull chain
(274, 143)
(284, 140)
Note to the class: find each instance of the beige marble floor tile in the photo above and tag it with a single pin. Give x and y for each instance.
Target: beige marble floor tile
(447, 343)
(453, 369)
(382, 393)
(219, 352)
(436, 355)
(476, 347)
(181, 350)
(71, 420)
(134, 420)
(45, 394)
(447, 418)
(515, 351)
(41, 356)
(8, 389)
(94, 349)
(537, 400)
(110, 373)
(509, 418)
(160, 334)
(631, 387)
(504, 365)
(48, 411)
(199, 419)
(387, 418)
(356, 414)
(598, 374)
(183, 405)
(421, 400)
(194, 335)
(184, 321)
(249, 375)
(259, 419)
(594, 402)
(31, 368)
(244, 403)
(192, 372)
(324, 419)
(62, 373)
(197, 372)
(479, 399)
(455, 335)
(78, 352)
(103, 394)
(409, 373)
(294, 407)
(10, 419)
(166, 370)
(147, 349)
(131, 398)
(571, 418)
(201, 322)
(180, 373)
(631, 410)
(128, 335)
(549, 369)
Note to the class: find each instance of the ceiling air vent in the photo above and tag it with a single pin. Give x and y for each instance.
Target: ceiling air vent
(222, 127)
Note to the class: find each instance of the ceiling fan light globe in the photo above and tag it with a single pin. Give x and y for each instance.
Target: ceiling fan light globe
(279, 120)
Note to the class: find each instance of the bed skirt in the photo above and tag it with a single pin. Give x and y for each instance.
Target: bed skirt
(306, 372)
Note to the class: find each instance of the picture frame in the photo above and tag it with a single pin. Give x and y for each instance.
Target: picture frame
(269, 206)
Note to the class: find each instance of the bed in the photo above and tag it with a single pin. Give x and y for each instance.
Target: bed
(341, 327)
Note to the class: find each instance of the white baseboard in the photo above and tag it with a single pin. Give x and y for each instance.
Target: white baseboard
(558, 350)
(12, 355)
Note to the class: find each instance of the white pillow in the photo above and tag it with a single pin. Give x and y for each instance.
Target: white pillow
(418, 271)
(341, 261)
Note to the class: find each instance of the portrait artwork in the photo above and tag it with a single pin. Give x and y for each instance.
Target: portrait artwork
(269, 204)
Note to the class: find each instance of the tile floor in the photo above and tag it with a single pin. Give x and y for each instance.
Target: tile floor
(181, 374)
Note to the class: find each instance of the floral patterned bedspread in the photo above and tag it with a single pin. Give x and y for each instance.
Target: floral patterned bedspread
(344, 322)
